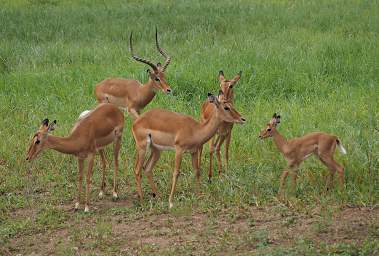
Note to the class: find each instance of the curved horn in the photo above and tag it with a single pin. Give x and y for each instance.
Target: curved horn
(168, 58)
(138, 58)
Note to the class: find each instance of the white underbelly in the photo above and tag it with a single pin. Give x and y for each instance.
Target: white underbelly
(163, 147)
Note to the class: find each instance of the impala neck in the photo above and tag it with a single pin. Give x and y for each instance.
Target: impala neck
(66, 145)
(146, 93)
(208, 127)
(279, 140)
(231, 97)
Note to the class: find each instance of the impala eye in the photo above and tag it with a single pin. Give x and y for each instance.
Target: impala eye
(157, 79)
(227, 108)
(231, 86)
(37, 141)
(268, 129)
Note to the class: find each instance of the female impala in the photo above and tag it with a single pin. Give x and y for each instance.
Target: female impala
(296, 150)
(160, 130)
(130, 94)
(224, 132)
(90, 134)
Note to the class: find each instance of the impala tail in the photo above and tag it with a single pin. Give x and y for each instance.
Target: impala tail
(341, 148)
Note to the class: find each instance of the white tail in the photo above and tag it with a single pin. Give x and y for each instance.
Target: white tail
(84, 114)
(341, 148)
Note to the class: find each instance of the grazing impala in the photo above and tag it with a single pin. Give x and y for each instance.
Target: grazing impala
(130, 94)
(224, 132)
(160, 130)
(92, 133)
(296, 150)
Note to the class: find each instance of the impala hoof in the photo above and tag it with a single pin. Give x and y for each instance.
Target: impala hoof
(115, 196)
(209, 180)
(101, 194)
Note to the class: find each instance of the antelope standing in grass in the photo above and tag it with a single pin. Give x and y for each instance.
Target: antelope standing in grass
(103, 126)
(160, 130)
(296, 150)
(224, 132)
(130, 94)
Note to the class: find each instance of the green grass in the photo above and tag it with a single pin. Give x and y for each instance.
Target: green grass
(314, 62)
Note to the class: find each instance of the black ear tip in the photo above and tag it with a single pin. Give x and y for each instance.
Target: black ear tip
(274, 115)
(45, 121)
(55, 121)
(240, 73)
(210, 94)
(221, 72)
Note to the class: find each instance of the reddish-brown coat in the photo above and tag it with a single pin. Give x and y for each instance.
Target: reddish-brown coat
(100, 127)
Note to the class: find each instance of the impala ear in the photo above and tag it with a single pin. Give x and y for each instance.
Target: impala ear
(159, 64)
(277, 119)
(52, 126)
(274, 115)
(237, 77)
(211, 97)
(45, 122)
(221, 76)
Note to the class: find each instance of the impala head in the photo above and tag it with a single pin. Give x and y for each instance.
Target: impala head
(225, 109)
(156, 73)
(226, 86)
(39, 139)
(270, 127)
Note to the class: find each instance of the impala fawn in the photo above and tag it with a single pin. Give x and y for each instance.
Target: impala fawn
(296, 150)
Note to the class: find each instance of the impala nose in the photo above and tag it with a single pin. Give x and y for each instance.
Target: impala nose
(168, 90)
(27, 158)
(243, 119)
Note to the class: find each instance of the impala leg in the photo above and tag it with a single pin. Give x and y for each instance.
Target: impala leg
(88, 180)
(218, 153)
(178, 160)
(139, 163)
(195, 166)
(155, 155)
(116, 151)
(211, 150)
(329, 180)
(103, 167)
(133, 113)
(227, 143)
(80, 181)
(148, 160)
(333, 167)
(199, 153)
(294, 179)
(282, 182)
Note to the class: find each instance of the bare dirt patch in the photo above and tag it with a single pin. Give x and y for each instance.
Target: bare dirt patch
(231, 230)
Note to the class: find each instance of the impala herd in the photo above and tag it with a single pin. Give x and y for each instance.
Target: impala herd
(158, 129)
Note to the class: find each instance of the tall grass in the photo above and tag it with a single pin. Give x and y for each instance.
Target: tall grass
(314, 62)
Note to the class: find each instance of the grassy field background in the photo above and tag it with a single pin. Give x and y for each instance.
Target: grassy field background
(314, 62)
